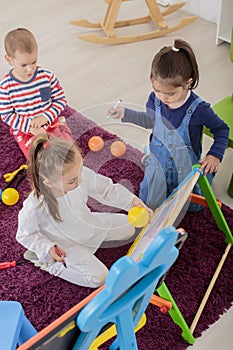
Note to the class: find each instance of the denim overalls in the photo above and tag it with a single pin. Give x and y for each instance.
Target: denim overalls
(170, 161)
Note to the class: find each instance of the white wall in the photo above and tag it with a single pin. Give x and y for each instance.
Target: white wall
(207, 9)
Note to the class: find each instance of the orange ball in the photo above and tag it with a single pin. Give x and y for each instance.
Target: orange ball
(118, 148)
(96, 143)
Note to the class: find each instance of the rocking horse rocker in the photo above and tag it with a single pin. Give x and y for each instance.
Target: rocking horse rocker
(109, 23)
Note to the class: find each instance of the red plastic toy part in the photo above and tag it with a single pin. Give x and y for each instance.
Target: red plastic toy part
(7, 264)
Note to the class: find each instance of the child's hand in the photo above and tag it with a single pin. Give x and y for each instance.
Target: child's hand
(38, 122)
(37, 131)
(210, 164)
(116, 113)
(62, 120)
(57, 253)
(137, 202)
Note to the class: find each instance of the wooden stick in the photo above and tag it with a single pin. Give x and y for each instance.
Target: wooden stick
(211, 285)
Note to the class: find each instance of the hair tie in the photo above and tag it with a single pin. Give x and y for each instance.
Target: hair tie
(175, 49)
(46, 144)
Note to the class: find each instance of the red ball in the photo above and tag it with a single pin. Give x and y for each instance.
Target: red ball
(96, 143)
(118, 148)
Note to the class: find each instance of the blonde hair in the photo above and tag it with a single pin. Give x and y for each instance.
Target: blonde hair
(21, 40)
(47, 157)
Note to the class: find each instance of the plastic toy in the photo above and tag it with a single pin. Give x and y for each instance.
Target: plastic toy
(96, 143)
(15, 327)
(10, 196)
(8, 264)
(128, 289)
(118, 148)
(166, 215)
(10, 176)
(116, 308)
(138, 216)
(60, 333)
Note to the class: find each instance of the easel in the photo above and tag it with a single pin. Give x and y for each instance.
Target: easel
(118, 307)
(163, 291)
(60, 333)
(109, 23)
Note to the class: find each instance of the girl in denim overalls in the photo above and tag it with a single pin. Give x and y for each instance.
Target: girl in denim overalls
(176, 116)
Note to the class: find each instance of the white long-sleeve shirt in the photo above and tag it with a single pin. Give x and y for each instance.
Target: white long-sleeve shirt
(38, 231)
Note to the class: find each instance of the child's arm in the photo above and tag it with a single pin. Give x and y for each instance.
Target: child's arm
(105, 191)
(15, 121)
(7, 111)
(220, 131)
(29, 234)
(58, 103)
(58, 100)
(127, 115)
(144, 119)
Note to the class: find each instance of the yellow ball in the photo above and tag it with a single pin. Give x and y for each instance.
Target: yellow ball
(138, 217)
(10, 196)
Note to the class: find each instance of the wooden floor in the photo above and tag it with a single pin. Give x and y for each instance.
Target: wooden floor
(95, 76)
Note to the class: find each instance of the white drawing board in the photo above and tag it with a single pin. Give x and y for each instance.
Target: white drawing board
(165, 215)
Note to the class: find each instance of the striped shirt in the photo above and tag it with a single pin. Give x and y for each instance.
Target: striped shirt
(20, 102)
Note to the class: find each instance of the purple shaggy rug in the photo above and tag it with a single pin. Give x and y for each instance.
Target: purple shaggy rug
(45, 297)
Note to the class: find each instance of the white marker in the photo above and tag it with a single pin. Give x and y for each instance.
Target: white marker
(115, 106)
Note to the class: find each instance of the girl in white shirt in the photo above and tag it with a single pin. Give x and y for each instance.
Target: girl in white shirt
(55, 222)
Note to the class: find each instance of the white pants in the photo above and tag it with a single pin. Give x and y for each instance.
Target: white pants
(92, 272)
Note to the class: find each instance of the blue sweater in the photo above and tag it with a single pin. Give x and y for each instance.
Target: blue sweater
(202, 116)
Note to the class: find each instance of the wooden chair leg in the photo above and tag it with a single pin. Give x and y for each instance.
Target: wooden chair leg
(155, 14)
(110, 17)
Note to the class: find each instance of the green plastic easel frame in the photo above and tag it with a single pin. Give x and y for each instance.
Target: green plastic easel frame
(163, 291)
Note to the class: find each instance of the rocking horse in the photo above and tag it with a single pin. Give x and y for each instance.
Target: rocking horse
(109, 23)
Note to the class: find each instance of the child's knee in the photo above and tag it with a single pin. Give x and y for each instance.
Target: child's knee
(130, 233)
(98, 279)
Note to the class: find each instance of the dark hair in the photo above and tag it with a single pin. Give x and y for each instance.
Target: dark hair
(47, 157)
(21, 40)
(176, 64)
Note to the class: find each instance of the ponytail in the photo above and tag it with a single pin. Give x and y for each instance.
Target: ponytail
(176, 64)
(47, 157)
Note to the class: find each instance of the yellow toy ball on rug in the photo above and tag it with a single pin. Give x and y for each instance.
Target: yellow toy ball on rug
(138, 216)
(10, 196)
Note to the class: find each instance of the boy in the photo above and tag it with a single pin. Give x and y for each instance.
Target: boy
(31, 98)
